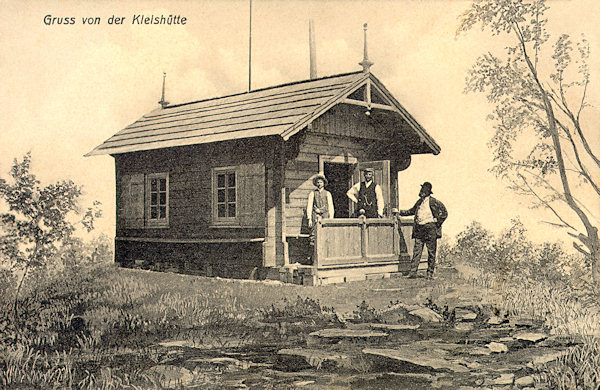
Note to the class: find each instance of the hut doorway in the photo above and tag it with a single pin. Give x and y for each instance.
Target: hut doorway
(339, 176)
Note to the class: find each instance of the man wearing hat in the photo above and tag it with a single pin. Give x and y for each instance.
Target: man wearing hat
(367, 195)
(429, 214)
(320, 202)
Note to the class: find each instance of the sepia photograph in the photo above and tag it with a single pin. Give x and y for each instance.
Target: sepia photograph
(303, 194)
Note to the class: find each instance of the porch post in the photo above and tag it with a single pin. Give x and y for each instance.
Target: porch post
(364, 239)
(275, 250)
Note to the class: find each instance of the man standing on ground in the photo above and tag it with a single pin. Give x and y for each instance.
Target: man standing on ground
(429, 214)
(368, 196)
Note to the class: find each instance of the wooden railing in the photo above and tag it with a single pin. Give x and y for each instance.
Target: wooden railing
(355, 241)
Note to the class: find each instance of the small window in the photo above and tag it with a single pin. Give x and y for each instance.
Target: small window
(157, 205)
(225, 197)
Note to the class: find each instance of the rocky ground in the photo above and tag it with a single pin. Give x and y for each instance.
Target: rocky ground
(452, 344)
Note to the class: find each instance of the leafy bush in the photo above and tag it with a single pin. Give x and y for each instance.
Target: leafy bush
(365, 314)
(511, 255)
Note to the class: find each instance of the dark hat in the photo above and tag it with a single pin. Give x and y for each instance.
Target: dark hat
(427, 187)
(368, 170)
(319, 176)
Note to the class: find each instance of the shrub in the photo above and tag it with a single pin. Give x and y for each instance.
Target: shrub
(302, 309)
(579, 368)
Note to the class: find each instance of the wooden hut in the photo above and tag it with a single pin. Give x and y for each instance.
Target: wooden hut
(219, 186)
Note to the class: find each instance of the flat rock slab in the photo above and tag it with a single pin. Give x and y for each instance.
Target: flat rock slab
(524, 381)
(530, 336)
(464, 326)
(496, 320)
(336, 333)
(431, 359)
(504, 379)
(479, 351)
(227, 361)
(178, 344)
(394, 327)
(315, 357)
(497, 347)
(543, 357)
(525, 321)
(426, 314)
(464, 314)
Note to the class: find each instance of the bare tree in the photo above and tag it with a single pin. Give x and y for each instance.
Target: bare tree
(541, 145)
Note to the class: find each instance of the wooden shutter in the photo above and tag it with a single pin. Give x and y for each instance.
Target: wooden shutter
(130, 203)
(251, 195)
(382, 177)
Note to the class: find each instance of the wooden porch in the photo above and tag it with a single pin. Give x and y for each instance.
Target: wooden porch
(349, 249)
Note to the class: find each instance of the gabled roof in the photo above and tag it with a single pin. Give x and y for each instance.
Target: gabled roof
(281, 110)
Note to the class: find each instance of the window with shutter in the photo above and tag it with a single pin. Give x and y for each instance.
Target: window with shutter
(238, 194)
(157, 199)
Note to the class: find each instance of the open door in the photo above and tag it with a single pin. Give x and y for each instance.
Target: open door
(382, 177)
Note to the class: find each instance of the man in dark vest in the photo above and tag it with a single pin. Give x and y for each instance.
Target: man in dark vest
(368, 196)
(429, 214)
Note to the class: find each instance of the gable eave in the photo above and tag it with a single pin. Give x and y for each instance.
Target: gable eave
(311, 117)
(408, 118)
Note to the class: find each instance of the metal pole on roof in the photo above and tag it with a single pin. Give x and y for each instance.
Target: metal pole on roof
(312, 49)
(250, 51)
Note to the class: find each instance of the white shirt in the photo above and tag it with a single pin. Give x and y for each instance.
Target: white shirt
(353, 194)
(424, 214)
(311, 199)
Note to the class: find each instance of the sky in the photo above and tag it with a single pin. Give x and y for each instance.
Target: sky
(67, 88)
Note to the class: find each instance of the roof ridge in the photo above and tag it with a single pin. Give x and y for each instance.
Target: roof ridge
(264, 89)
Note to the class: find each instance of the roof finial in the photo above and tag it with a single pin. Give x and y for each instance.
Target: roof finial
(163, 103)
(365, 63)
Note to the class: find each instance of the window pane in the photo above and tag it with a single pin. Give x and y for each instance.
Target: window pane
(163, 184)
(153, 198)
(221, 196)
(163, 198)
(220, 181)
(221, 210)
(153, 185)
(231, 210)
(231, 195)
(153, 212)
(163, 212)
(231, 180)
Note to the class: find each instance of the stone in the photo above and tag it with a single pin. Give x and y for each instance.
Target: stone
(478, 351)
(495, 320)
(316, 358)
(504, 379)
(347, 333)
(525, 321)
(303, 383)
(464, 326)
(530, 336)
(171, 377)
(464, 314)
(394, 327)
(426, 314)
(428, 358)
(546, 357)
(177, 344)
(497, 347)
(524, 381)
